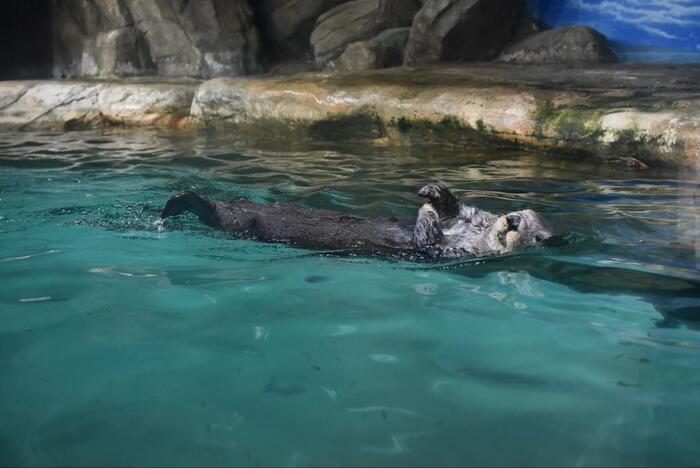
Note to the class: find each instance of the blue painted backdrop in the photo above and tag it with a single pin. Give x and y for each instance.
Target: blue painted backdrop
(648, 30)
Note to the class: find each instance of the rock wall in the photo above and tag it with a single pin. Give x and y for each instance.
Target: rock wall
(358, 20)
(571, 45)
(458, 30)
(198, 38)
(286, 25)
(210, 38)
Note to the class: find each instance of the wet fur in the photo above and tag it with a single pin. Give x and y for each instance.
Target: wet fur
(291, 224)
(444, 227)
(453, 229)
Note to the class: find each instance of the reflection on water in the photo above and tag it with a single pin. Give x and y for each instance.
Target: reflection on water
(128, 341)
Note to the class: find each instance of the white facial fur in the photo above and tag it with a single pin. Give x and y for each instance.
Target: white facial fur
(512, 240)
(503, 240)
(531, 230)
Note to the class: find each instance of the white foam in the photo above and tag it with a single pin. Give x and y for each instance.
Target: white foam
(35, 299)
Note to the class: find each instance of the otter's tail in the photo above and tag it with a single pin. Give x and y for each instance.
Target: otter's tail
(193, 203)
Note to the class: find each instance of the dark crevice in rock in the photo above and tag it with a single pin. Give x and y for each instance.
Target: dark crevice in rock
(270, 54)
(25, 46)
(77, 96)
(14, 100)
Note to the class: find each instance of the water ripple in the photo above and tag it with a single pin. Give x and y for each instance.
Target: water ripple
(27, 257)
(237, 346)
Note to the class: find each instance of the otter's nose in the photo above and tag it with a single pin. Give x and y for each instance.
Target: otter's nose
(513, 222)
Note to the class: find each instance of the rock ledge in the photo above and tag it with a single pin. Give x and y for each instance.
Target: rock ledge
(635, 114)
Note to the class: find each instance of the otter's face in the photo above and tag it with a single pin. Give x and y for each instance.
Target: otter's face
(519, 229)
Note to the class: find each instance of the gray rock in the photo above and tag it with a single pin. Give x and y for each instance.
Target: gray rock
(77, 25)
(358, 20)
(199, 38)
(293, 67)
(123, 52)
(71, 104)
(571, 45)
(287, 25)
(525, 26)
(72, 27)
(382, 51)
(171, 49)
(146, 104)
(50, 105)
(460, 30)
(112, 14)
(478, 104)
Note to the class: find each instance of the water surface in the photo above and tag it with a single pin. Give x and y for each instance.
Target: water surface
(125, 342)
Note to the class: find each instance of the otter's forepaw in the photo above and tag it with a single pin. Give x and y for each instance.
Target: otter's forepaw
(440, 197)
(433, 192)
(505, 240)
(429, 208)
(501, 225)
(511, 241)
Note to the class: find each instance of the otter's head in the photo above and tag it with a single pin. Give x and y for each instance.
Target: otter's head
(517, 230)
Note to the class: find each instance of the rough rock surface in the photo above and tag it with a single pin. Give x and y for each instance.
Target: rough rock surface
(571, 45)
(161, 104)
(358, 20)
(287, 25)
(73, 104)
(564, 111)
(48, 104)
(76, 25)
(384, 50)
(607, 110)
(123, 52)
(199, 38)
(460, 30)
(525, 26)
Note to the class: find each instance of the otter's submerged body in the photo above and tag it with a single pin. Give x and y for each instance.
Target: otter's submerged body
(444, 226)
(313, 228)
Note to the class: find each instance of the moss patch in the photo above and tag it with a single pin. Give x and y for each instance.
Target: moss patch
(573, 124)
(448, 130)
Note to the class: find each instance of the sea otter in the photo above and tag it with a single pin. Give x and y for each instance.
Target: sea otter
(444, 227)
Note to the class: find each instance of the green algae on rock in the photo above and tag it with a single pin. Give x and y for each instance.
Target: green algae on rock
(606, 112)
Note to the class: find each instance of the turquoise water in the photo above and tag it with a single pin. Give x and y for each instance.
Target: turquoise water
(126, 342)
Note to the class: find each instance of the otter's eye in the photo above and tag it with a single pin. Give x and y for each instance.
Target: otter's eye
(538, 238)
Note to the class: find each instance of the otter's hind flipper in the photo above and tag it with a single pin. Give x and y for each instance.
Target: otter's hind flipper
(193, 203)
